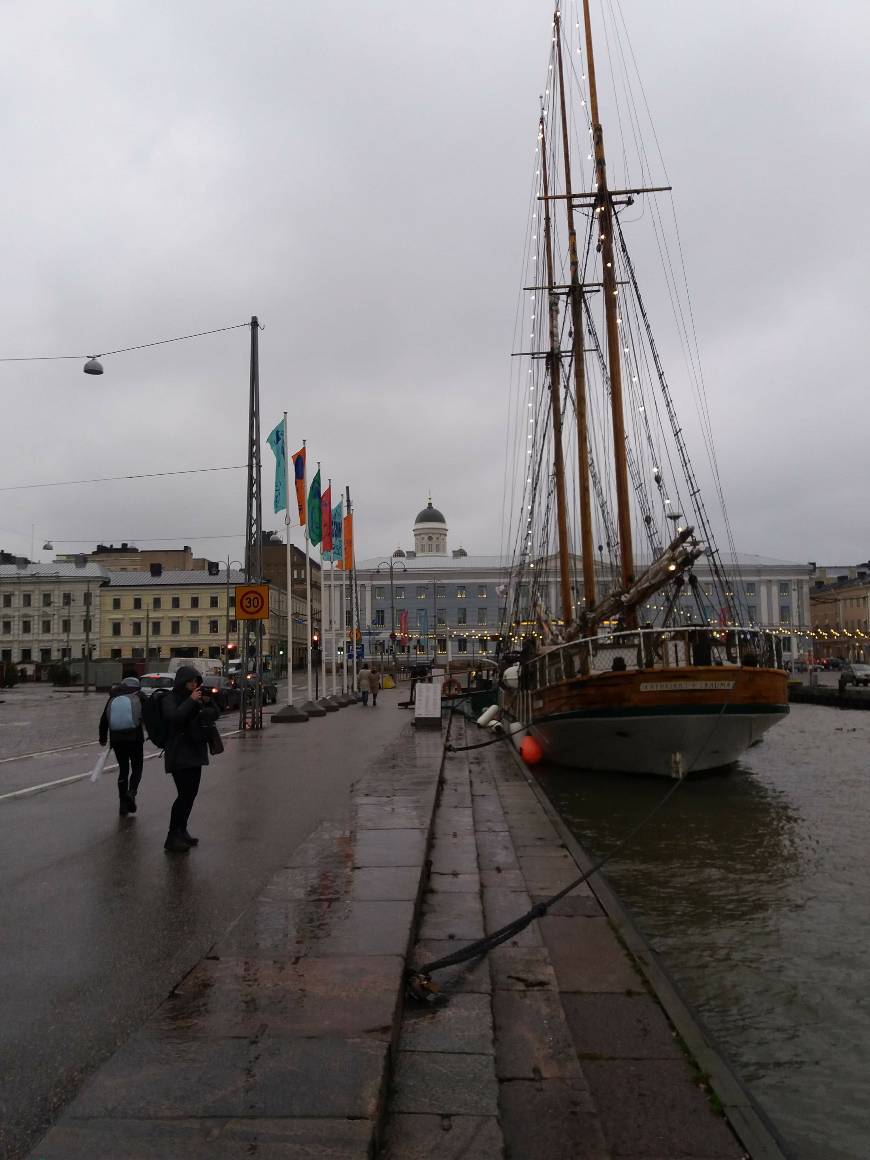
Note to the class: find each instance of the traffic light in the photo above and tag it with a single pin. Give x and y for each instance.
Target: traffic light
(231, 648)
(315, 639)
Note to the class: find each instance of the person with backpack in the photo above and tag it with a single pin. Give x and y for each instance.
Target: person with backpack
(189, 723)
(121, 724)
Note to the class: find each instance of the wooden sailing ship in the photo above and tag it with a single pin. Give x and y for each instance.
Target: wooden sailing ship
(602, 681)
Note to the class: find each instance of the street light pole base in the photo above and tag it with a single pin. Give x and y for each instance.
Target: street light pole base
(328, 705)
(289, 715)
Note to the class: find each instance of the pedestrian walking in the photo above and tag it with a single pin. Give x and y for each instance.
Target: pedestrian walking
(121, 725)
(374, 685)
(362, 681)
(190, 718)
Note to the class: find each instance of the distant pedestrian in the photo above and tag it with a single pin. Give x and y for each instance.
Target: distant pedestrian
(362, 681)
(121, 724)
(190, 718)
(374, 685)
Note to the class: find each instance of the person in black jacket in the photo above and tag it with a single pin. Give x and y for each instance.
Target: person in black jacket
(121, 724)
(189, 721)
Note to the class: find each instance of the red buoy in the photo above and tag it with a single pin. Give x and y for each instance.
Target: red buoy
(530, 751)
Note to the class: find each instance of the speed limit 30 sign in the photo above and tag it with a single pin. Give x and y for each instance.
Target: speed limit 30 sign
(252, 602)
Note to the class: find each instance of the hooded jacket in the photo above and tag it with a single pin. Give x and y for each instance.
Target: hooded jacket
(188, 722)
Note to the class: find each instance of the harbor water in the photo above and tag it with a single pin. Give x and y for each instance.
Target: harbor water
(754, 888)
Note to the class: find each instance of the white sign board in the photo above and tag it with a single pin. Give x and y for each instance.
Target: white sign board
(427, 704)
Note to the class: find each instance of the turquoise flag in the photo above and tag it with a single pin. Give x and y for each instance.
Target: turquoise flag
(277, 442)
(315, 521)
(337, 552)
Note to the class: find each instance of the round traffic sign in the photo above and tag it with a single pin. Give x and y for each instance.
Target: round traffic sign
(253, 602)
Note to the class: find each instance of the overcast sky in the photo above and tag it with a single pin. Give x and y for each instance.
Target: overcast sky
(358, 176)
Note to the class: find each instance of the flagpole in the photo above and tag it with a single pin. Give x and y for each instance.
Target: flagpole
(307, 579)
(289, 568)
(344, 595)
(354, 607)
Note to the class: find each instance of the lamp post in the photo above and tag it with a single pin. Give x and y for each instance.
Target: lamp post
(230, 565)
(391, 565)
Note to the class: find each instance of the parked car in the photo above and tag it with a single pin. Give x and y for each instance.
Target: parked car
(223, 690)
(855, 675)
(270, 688)
(148, 682)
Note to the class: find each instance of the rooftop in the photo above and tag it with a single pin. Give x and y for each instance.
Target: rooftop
(172, 576)
(55, 570)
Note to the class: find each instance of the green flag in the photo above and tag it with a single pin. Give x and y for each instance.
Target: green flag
(315, 520)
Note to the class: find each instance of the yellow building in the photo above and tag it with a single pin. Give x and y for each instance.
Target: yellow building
(156, 615)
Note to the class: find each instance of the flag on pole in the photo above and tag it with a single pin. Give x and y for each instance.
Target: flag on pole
(347, 549)
(314, 520)
(326, 523)
(299, 476)
(276, 442)
(337, 547)
(403, 626)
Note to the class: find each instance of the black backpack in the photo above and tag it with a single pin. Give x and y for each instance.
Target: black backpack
(156, 725)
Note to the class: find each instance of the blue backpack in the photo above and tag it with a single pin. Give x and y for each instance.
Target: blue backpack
(125, 713)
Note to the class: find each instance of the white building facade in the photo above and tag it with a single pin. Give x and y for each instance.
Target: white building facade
(49, 612)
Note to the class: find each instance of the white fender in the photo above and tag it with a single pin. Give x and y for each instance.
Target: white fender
(487, 715)
(516, 727)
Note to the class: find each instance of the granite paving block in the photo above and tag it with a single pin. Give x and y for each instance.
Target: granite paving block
(389, 848)
(304, 882)
(532, 1036)
(276, 928)
(548, 873)
(385, 883)
(656, 1111)
(460, 1023)
(353, 996)
(452, 916)
(501, 907)
(580, 903)
(496, 850)
(454, 855)
(444, 1083)
(535, 835)
(471, 976)
(330, 844)
(380, 817)
(552, 1119)
(504, 879)
(587, 956)
(454, 883)
(208, 1139)
(368, 928)
(453, 820)
(419, 1137)
(619, 1027)
(521, 969)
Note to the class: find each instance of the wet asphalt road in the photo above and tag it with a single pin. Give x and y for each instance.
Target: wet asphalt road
(99, 923)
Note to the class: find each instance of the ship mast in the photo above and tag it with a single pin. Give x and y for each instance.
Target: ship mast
(604, 213)
(554, 363)
(575, 295)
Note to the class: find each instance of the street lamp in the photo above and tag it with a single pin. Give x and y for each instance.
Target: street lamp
(391, 564)
(93, 366)
(230, 565)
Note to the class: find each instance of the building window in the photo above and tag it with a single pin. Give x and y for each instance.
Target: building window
(461, 592)
(7, 627)
(66, 599)
(116, 603)
(176, 602)
(441, 616)
(442, 644)
(64, 626)
(214, 601)
(379, 617)
(481, 616)
(46, 600)
(138, 654)
(86, 624)
(7, 599)
(379, 593)
(462, 645)
(26, 600)
(155, 628)
(137, 602)
(6, 655)
(752, 612)
(153, 652)
(194, 602)
(214, 651)
(422, 592)
(213, 626)
(156, 602)
(233, 626)
(784, 588)
(45, 655)
(46, 627)
(421, 617)
(233, 598)
(116, 628)
(137, 627)
(65, 654)
(348, 618)
(750, 589)
(26, 654)
(441, 591)
(115, 654)
(484, 645)
(25, 626)
(462, 616)
(481, 592)
(175, 627)
(784, 614)
(400, 593)
(194, 628)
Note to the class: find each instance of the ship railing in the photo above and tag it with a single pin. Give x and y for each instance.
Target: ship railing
(655, 648)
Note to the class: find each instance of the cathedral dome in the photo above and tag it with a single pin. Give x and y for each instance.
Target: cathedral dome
(430, 515)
